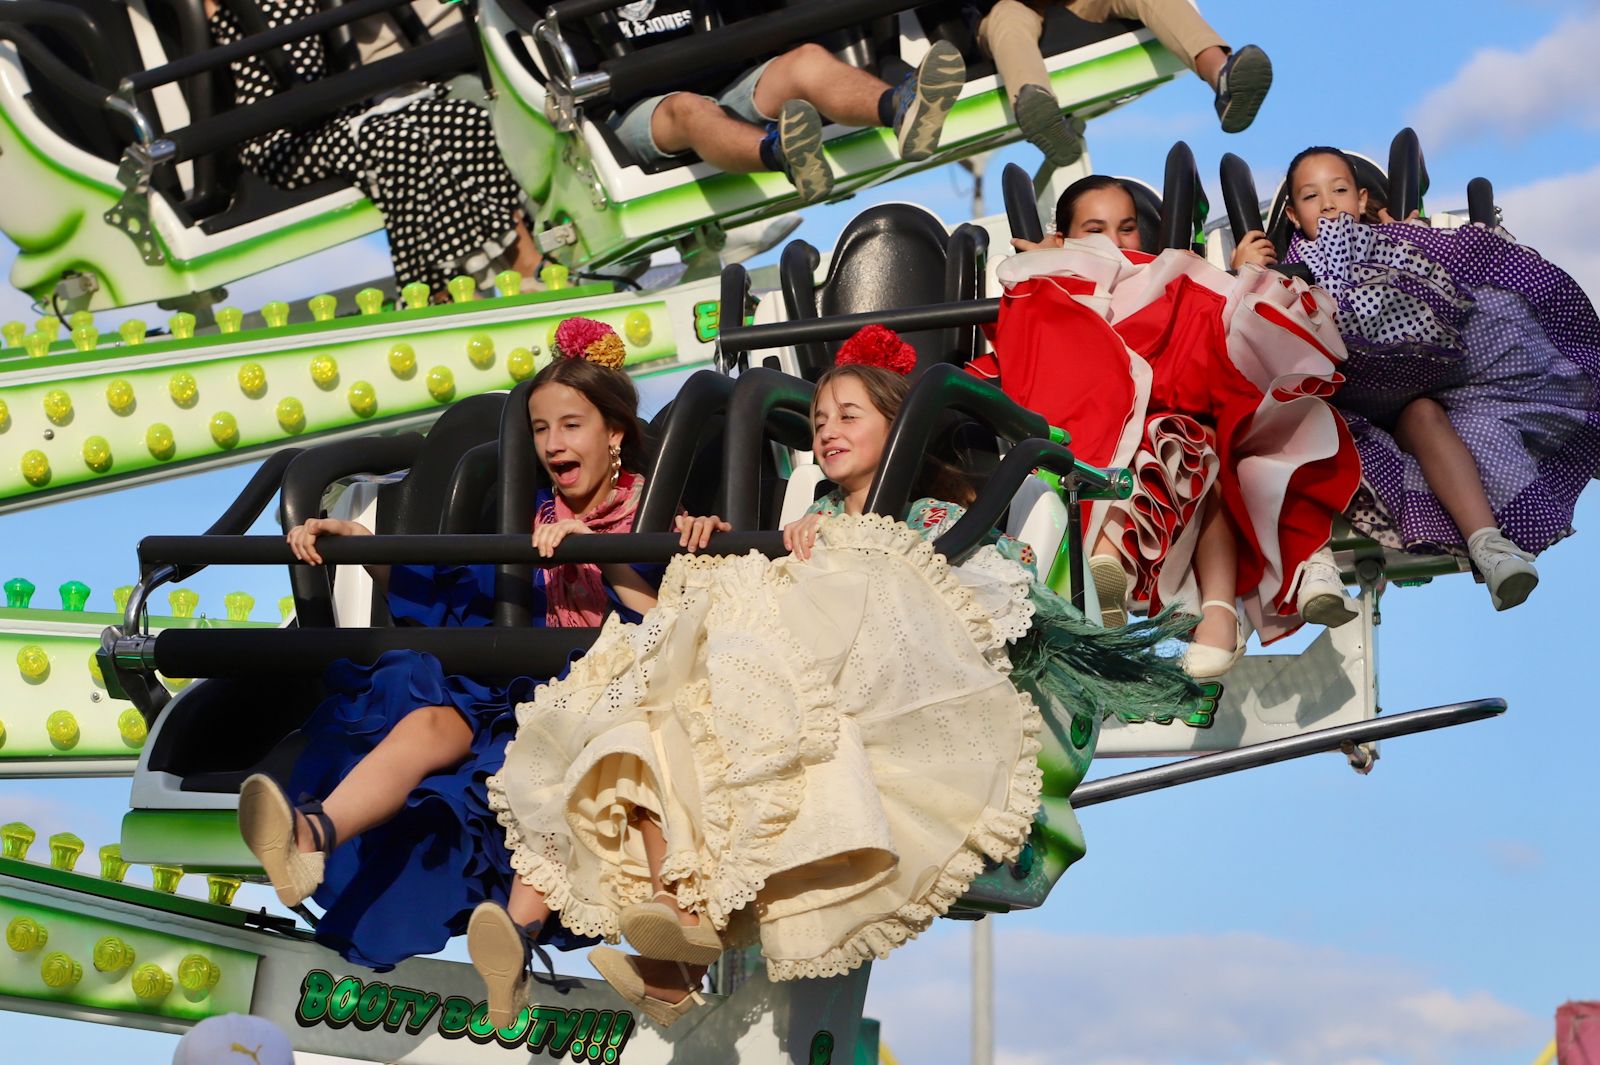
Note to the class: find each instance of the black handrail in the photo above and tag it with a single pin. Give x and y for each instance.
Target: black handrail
(703, 396)
(449, 549)
(57, 74)
(75, 23)
(838, 327)
(760, 397)
(735, 293)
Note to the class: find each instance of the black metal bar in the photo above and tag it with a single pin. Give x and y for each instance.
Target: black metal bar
(662, 69)
(1206, 766)
(444, 549)
(520, 473)
(1022, 207)
(939, 389)
(470, 485)
(758, 395)
(1239, 197)
(1018, 465)
(1405, 174)
(74, 23)
(1179, 196)
(255, 44)
(57, 75)
(734, 304)
(1480, 202)
(838, 327)
(704, 396)
(284, 110)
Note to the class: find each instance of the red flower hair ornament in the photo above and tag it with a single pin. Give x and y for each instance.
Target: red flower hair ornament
(878, 345)
(585, 338)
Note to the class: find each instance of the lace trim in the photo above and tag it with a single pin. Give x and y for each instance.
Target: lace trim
(998, 836)
(1014, 618)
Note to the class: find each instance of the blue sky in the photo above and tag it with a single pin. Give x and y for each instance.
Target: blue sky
(1436, 911)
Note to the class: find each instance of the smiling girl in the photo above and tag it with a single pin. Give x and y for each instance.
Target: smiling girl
(1473, 382)
(402, 845)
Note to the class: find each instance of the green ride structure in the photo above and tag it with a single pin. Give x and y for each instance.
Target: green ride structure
(123, 191)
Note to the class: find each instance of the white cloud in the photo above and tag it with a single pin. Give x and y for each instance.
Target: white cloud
(1514, 94)
(1188, 1000)
(1551, 217)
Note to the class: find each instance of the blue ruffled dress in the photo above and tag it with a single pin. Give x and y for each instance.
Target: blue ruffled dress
(407, 886)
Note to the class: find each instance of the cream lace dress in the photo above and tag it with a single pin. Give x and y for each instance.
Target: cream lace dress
(833, 741)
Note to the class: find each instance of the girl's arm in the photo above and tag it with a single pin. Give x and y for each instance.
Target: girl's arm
(633, 591)
(303, 542)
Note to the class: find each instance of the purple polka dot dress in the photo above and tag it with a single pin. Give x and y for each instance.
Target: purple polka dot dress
(1506, 342)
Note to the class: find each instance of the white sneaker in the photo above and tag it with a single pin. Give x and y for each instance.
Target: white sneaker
(1506, 568)
(1322, 599)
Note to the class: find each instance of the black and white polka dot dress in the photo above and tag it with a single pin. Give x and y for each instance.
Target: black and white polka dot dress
(428, 162)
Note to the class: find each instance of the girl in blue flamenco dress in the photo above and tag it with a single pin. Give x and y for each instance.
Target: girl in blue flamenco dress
(395, 839)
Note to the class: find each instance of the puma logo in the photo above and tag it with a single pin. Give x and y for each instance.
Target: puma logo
(241, 1048)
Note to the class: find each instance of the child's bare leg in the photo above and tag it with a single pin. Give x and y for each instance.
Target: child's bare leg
(1424, 430)
(526, 904)
(655, 852)
(1216, 566)
(426, 740)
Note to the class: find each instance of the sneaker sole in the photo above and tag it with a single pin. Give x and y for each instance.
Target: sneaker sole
(495, 946)
(939, 82)
(1329, 611)
(800, 144)
(1111, 586)
(1040, 120)
(266, 824)
(1514, 590)
(1248, 83)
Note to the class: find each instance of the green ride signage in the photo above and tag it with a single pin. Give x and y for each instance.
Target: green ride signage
(588, 1035)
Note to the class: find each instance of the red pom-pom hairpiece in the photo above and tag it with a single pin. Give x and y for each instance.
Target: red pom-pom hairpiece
(878, 345)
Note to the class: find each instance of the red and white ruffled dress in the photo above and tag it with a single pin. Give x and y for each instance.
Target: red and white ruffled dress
(1199, 381)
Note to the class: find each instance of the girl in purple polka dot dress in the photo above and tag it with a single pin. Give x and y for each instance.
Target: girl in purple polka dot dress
(1473, 381)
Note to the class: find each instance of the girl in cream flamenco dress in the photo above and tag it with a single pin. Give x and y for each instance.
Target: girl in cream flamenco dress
(827, 747)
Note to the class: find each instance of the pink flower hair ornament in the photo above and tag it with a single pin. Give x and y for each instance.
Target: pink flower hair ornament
(878, 345)
(585, 338)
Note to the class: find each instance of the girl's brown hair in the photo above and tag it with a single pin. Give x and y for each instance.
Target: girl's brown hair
(887, 390)
(612, 393)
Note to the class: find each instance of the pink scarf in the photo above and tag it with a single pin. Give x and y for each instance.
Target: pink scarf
(575, 594)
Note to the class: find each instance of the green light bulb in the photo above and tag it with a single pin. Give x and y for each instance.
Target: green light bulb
(225, 430)
(58, 406)
(74, 595)
(33, 663)
(120, 595)
(198, 973)
(85, 337)
(417, 294)
(480, 350)
(221, 889)
(59, 971)
(462, 288)
(62, 728)
(15, 839)
(112, 955)
(322, 307)
(36, 344)
(112, 867)
(403, 361)
(165, 878)
(508, 283)
(369, 301)
(181, 325)
(239, 605)
(24, 934)
(554, 276)
(131, 727)
(151, 982)
(291, 415)
(183, 389)
(229, 319)
(64, 851)
(120, 397)
(183, 601)
(363, 399)
(285, 607)
(275, 314)
(519, 362)
(636, 327)
(13, 332)
(441, 384)
(50, 326)
(19, 593)
(325, 371)
(253, 380)
(79, 319)
(132, 331)
(160, 441)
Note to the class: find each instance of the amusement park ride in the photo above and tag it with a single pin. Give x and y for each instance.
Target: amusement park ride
(121, 189)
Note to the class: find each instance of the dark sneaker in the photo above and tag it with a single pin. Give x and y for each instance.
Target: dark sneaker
(924, 98)
(795, 140)
(1241, 86)
(1039, 117)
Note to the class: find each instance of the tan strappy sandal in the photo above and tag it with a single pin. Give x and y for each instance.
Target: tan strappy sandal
(266, 823)
(622, 973)
(653, 929)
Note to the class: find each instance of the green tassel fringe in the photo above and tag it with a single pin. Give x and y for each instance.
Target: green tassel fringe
(1106, 671)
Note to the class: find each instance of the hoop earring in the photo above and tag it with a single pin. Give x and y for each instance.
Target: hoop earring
(616, 464)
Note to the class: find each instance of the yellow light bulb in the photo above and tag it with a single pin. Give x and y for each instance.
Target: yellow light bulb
(480, 350)
(85, 337)
(132, 331)
(95, 672)
(15, 839)
(403, 361)
(322, 307)
(369, 301)
(441, 384)
(275, 314)
(112, 955)
(519, 363)
(636, 327)
(417, 294)
(131, 727)
(225, 430)
(253, 380)
(462, 288)
(5, 416)
(33, 662)
(160, 441)
(58, 406)
(120, 397)
(325, 371)
(24, 934)
(363, 399)
(182, 602)
(151, 982)
(229, 319)
(112, 867)
(62, 728)
(64, 850)
(508, 283)
(97, 454)
(181, 325)
(198, 973)
(59, 971)
(185, 391)
(35, 468)
(291, 415)
(221, 889)
(238, 605)
(165, 878)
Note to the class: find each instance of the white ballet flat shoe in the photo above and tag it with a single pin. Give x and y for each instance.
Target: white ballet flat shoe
(1322, 599)
(266, 823)
(1204, 662)
(1506, 568)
